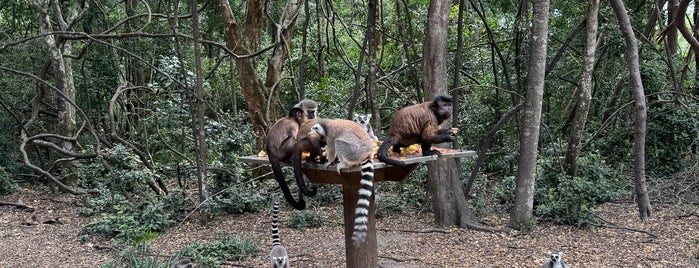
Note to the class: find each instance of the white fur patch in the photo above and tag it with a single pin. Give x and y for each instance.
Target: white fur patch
(360, 223)
(361, 211)
(363, 202)
(364, 192)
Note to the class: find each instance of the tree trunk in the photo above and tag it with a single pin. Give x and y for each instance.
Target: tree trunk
(521, 217)
(672, 30)
(245, 40)
(371, 62)
(639, 138)
(585, 91)
(63, 74)
(405, 32)
(448, 200)
(458, 89)
(197, 105)
(442, 171)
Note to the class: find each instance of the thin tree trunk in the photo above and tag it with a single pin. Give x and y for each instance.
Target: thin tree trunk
(672, 30)
(244, 39)
(521, 217)
(442, 171)
(585, 91)
(405, 31)
(301, 81)
(639, 138)
(63, 74)
(458, 89)
(197, 104)
(371, 61)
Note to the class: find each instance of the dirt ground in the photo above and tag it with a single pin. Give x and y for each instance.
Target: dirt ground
(48, 237)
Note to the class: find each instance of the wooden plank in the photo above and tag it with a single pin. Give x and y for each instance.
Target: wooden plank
(410, 159)
(364, 255)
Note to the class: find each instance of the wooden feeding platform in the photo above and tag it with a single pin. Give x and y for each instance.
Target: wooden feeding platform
(364, 255)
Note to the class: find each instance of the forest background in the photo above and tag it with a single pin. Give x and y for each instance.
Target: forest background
(142, 112)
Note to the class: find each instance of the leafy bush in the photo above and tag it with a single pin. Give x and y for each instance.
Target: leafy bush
(224, 248)
(234, 197)
(572, 200)
(7, 183)
(130, 223)
(302, 219)
(139, 256)
(672, 133)
(505, 191)
(400, 197)
(127, 208)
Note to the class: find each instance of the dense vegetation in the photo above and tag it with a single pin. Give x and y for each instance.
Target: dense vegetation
(115, 118)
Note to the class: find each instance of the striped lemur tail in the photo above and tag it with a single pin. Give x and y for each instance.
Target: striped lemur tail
(279, 258)
(275, 224)
(362, 212)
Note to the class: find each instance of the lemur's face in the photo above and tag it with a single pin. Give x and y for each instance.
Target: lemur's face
(362, 119)
(556, 256)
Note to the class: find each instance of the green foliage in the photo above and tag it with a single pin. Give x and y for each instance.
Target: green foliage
(572, 200)
(128, 223)
(234, 197)
(8, 184)
(672, 133)
(399, 197)
(302, 219)
(126, 208)
(225, 247)
(209, 254)
(505, 191)
(139, 256)
(328, 194)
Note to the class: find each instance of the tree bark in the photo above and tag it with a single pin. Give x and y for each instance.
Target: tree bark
(197, 105)
(62, 72)
(442, 171)
(521, 217)
(584, 92)
(639, 138)
(371, 62)
(448, 200)
(672, 30)
(243, 40)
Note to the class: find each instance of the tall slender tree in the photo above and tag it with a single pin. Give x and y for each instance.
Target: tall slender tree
(521, 217)
(584, 91)
(197, 106)
(639, 137)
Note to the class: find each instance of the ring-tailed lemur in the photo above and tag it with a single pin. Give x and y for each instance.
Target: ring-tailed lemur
(351, 146)
(363, 120)
(278, 256)
(555, 260)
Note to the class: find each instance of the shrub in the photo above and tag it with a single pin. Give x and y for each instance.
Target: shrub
(224, 248)
(7, 183)
(130, 224)
(572, 200)
(672, 133)
(302, 219)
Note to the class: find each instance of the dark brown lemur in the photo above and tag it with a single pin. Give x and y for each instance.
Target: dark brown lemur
(280, 145)
(419, 123)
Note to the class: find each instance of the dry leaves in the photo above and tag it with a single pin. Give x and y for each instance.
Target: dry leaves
(403, 240)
